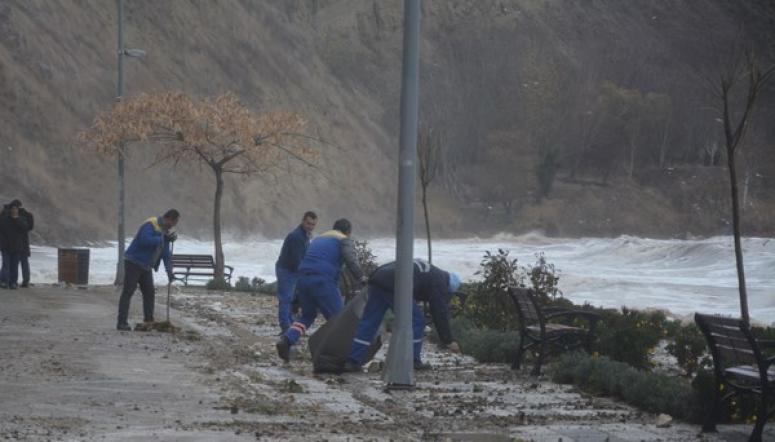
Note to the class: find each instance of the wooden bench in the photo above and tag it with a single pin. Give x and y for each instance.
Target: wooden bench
(543, 337)
(739, 366)
(197, 266)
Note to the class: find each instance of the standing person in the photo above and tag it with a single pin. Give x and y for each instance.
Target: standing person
(431, 284)
(24, 258)
(149, 247)
(4, 267)
(14, 229)
(287, 266)
(318, 285)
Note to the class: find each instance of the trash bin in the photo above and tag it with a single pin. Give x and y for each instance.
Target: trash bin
(73, 266)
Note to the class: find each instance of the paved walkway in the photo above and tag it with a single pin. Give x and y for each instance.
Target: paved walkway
(66, 374)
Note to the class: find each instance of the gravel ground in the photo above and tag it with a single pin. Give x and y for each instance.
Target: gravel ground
(67, 374)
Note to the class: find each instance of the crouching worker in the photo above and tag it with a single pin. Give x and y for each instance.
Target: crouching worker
(318, 284)
(431, 284)
(149, 247)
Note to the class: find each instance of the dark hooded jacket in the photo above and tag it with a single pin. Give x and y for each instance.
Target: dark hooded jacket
(30, 226)
(14, 232)
(431, 285)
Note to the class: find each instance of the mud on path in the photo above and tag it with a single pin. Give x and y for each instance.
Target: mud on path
(66, 374)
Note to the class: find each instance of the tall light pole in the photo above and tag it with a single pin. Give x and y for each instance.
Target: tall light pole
(399, 372)
(121, 52)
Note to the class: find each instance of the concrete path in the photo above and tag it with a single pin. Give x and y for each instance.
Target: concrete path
(67, 374)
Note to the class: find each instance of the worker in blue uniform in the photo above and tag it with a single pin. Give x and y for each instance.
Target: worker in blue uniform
(149, 247)
(431, 284)
(318, 285)
(287, 266)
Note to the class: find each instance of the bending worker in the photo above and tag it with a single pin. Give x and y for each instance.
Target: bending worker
(431, 284)
(318, 285)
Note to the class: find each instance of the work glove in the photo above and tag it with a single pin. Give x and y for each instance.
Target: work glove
(171, 236)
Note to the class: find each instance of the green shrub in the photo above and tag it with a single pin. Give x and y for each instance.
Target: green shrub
(218, 284)
(545, 278)
(243, 284)
(267, 288)
(253, 286)
(487, 303)
(484, 344)
(368, 263)
(629, 336)
(653, 392)
(689, 348)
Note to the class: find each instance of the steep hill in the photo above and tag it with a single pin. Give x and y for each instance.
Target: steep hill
(505, 82)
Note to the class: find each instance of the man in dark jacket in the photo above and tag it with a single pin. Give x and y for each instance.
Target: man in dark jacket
(149, 247)
(431, 284)
(24, 258)
(318, 286)
(14, 229)
(287, 266)
(4, 267)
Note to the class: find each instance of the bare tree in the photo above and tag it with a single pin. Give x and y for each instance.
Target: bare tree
(221, 133)
(734, 130)
(428, 157)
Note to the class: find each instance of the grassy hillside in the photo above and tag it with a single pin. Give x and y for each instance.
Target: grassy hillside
(503, 81)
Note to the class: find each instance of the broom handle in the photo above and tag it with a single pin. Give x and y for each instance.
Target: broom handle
(169, 284)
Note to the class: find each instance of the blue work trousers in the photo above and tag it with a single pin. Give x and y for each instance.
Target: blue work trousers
(286, 288)
(379, 302)
(316, 293)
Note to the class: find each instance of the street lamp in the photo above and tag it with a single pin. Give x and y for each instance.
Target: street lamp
(122, 52)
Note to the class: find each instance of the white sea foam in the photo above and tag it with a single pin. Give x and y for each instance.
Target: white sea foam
(676, 275)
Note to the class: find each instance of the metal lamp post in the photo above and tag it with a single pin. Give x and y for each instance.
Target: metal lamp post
(399, 372)
(122, 52)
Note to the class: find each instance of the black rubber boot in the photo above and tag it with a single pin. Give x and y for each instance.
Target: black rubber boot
(421, 366)
(284, 348)
(351, 367)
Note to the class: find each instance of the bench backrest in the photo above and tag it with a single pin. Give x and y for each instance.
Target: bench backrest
(193, 261)
(731, 342)
(527, 309)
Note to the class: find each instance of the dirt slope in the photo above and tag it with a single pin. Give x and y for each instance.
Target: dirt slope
(337, 61)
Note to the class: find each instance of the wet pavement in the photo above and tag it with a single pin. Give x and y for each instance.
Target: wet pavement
(67, 374)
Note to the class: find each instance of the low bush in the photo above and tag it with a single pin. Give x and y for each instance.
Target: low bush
(653, 392)
(253, 286)
(484, 344)
(218, 284)
(629, 335)
(268, 288)
(487, 302)
(348, 286)
(689, 348)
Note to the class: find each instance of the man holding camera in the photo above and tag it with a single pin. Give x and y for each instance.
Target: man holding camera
(149, 247)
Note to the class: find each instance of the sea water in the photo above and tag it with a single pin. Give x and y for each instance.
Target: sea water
(680, 276)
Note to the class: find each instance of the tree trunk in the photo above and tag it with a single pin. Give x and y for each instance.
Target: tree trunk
(663, 145)
(427, 222)
(217, 223)
(736, 229)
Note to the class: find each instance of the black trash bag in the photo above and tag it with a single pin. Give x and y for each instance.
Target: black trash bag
(331, 343)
